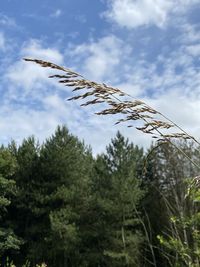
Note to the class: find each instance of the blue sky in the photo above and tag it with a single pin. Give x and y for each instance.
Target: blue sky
(148, 48)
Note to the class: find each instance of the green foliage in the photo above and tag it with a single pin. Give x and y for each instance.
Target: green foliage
(64, 172)
(167, 209)
(184, 242)
(9, 263)
(8, 239)
(60, 206)
(116, 193)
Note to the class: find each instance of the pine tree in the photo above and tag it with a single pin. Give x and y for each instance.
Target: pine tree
(23, 209)
(122, 161)
(9, 242)
(116, 195)
(65, 165)
(96, 219)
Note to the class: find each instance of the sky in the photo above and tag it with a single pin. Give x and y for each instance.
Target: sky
(148, 48)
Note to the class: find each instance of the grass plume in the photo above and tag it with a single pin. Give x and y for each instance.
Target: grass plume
(134, 111)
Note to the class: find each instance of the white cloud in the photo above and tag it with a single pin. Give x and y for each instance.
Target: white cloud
(28, 76)
(34, 49)
(182, 109)
(194, 50)
(101, 57)
(26, 108)
(134, 13)
(21, 123)
(7, 21)
(190, 34)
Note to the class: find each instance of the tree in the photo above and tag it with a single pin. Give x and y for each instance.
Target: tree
(123, 161)
(167, 172)
(116, 194)
(9, 242)
(23, 209)
(65, 166)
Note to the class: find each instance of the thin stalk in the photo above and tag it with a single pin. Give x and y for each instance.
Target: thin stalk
(147, 236)
(161, 134)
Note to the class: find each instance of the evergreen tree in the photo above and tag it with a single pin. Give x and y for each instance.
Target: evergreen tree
(123, 164)
(9, 242)
(96, 220)
(23, 209)
(65, 166)
(116, 195)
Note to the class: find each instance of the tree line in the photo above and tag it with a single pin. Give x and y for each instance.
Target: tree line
(125, 207)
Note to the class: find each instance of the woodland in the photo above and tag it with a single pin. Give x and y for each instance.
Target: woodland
(62, 206)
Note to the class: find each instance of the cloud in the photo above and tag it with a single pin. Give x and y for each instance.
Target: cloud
(7, 21)
(21, 121)
(100, 57)
(31, 77)
(27, 85)
(32, 103)
(135, 13)
(189, 33)
(33, 48)
(194, 50)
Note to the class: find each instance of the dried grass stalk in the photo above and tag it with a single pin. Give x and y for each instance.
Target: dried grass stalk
(152, 122)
